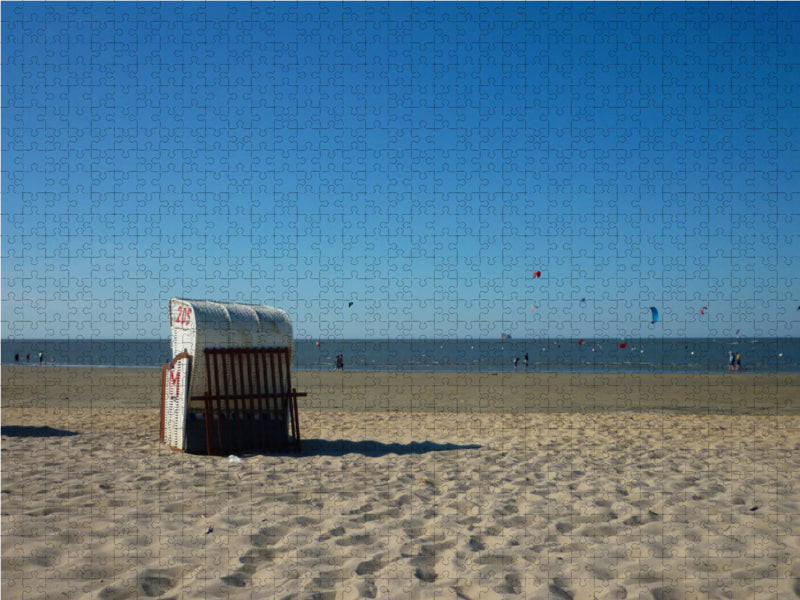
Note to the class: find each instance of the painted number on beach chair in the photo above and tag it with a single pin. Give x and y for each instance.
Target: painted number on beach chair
(184, 316)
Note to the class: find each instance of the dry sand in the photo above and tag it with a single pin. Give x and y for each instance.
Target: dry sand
(410, 486)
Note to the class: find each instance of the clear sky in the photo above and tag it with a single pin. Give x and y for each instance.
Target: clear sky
(420, 161)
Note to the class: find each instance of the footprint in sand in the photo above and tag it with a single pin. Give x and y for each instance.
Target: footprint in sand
(368, 589)
(558, 589)
(476, 543)
(511, 585)
(327, 580)
(368, 567)
(151, 583)
(45, 557)
(563, 527)
(269, 536)
(255, 556)
(469, 521)
(426, 557)
(494, 560)
(250, 561)
(115, 593)
(666, 593)
(262, 552)
(401, 501)
(237, 579)
(425, 573)
(414, 528)
(356, 540)
(650, 517)
(509, 508)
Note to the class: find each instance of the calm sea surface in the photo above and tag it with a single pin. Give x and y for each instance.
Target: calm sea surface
(695, 355)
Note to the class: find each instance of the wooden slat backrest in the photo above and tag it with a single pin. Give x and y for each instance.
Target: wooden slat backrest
(249, 399)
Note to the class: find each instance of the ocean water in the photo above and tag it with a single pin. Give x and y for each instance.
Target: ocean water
(694, 355)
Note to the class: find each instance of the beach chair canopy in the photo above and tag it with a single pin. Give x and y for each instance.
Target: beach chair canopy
(200, 324)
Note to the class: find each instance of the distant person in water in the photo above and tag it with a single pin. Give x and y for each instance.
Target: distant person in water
(16, 357)
(731, 361)
(516, 361)
(526, 361)
(41, 357)
(738, 361)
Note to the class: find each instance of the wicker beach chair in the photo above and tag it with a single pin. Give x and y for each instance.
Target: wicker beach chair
(228, 388)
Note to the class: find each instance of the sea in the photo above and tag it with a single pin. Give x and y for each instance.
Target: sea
(651, 355)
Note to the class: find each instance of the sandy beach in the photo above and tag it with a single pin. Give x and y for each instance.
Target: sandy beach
(447, 485)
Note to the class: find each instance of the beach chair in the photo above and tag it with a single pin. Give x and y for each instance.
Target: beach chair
(228, 388)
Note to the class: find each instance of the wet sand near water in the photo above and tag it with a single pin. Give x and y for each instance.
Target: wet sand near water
(718, 393)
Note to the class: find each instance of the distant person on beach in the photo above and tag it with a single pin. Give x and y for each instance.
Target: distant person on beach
(526, 361)
(738, 361)
(27, 358)
(340, 362)
(41, 357)
(731, 361)
(16, 357)
(516, 361)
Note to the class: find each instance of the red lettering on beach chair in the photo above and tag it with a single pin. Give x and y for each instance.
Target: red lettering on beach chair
(174, 379)
(184, 316)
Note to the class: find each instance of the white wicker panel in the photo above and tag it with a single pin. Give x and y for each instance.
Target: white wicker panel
(175, 404)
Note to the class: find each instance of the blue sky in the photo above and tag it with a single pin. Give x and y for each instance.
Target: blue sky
(418, 160)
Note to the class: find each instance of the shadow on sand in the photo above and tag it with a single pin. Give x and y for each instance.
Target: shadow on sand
(316, 447)
(36, 432)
